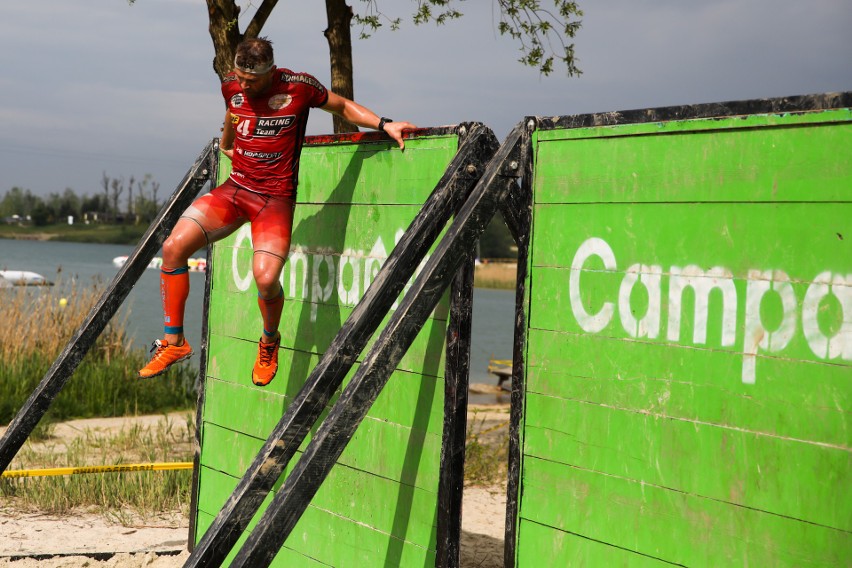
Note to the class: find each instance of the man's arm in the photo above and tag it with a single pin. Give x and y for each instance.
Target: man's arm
(226, 143)
(362, 116)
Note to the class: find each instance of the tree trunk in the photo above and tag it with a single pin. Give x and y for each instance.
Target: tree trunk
(225, 30)
(340, 51)
(225, 33)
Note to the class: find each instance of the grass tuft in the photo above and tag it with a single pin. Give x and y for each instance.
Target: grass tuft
(486, 451)
(124, 496)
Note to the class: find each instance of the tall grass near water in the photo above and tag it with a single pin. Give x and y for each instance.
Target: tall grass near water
(499, 275)
(37, 324)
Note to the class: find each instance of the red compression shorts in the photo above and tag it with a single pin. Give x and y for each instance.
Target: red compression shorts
(229, 206)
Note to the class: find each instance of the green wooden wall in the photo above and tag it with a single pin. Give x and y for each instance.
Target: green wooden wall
(378, 506)
(689, 351)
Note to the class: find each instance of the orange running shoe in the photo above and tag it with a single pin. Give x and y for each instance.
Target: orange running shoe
(166, 355)
(266, 364)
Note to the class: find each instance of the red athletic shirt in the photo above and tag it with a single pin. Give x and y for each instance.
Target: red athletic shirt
(270, 130)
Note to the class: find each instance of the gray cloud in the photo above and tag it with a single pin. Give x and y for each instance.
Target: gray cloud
(101, 86)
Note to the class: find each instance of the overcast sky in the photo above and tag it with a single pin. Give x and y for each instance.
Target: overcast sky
(93, 86)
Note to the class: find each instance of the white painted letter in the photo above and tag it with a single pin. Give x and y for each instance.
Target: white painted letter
(320, 292)
(591, 323)
(649, 325)
(297, 259)
(839, 346)
(703, 283)
(756, 335)
(242, 283)
(353, 294)
(374, 261)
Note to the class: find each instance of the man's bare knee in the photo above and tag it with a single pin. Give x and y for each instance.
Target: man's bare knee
(187, 238)
(267, 285)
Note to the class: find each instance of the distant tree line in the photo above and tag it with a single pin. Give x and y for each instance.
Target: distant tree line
(131, 201)
(496, 242)
(135, 201)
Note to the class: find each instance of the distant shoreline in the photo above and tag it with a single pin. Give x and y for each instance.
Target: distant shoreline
(500, 275)
(77, 233)
(30, 237)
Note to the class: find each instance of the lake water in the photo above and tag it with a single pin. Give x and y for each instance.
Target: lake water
(493, 310)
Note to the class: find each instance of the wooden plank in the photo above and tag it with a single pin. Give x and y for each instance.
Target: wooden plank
(409, 398)
(806, 110)
(792, 399)
(679, 161)
(792, 478)
(395, 451)
(454, 431)
(408, 512)
(374, 173)
(741, 237)
(328, 535)
(728, 293)
(722, 322)
(561, 548)
(349, 491)
(286, 557)
(313, 334)
(317, 551)
(673, 526)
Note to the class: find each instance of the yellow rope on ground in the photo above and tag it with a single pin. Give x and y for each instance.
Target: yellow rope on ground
(98, 469)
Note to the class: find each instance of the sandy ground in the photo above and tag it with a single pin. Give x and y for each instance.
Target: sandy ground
(90, 540)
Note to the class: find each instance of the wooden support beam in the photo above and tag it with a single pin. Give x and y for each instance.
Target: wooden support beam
(521, 207)
(456, 383)
(200, 382)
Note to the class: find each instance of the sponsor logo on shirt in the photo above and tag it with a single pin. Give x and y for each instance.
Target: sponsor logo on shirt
(279, 101)
(237, 100)
(298, 78)
(272, 126)
(265, 156)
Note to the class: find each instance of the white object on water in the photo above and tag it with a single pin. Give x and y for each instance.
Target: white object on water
(23, 278)
(119, 261)
(195, 264)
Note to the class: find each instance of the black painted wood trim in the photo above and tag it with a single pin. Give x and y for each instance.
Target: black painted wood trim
(792, 104)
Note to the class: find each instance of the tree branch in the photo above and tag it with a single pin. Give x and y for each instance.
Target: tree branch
(259, 18)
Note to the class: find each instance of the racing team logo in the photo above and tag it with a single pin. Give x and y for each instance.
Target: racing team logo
(237, 100)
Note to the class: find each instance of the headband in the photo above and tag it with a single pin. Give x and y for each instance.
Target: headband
(254, 69)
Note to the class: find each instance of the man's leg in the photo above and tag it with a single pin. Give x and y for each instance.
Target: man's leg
(209, 218)
(271, 238)
(186, 238)
(271, 307)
